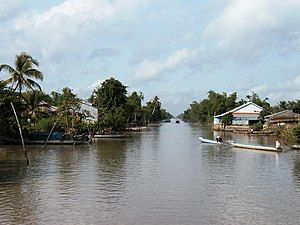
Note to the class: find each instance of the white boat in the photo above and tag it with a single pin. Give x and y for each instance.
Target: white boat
(109, 135)
(255, 147)
(208, 141)
(295, 147)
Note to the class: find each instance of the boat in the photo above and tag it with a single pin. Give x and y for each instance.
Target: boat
(208, 141)
(295, 147)
(56, 138)
(109, 135)
(55, 142)
(255, 147)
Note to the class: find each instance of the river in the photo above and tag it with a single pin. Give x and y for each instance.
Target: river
(160, 176)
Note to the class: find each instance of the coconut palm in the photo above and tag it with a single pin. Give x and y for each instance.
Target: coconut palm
(156, 104)
(21, 76)
(32, 100)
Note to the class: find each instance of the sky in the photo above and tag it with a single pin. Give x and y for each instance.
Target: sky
(176, 49)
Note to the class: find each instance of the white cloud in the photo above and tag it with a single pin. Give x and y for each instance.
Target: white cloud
(10, 8)
(283, 90)
(150, 69)
(246, 28)
(68, 28)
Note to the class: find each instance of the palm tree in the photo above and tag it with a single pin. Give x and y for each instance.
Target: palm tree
(21, 76)
(32, 101)
(156, 104)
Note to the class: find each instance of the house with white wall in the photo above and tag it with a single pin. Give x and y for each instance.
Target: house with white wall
(91, 111)
(243, 115)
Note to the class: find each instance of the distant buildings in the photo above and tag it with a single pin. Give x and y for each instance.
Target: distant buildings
(243, 115)
(90, 111)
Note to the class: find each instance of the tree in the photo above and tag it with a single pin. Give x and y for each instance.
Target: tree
(111, 94)
(227, 120)
(134, 107)
(68, 104)
(9, 128)
(32, 100)
(21, 76)
(111, 99)
(153, 110)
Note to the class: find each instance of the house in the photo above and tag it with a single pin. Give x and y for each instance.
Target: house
(86, 108)
(283, 118)
(244, 115)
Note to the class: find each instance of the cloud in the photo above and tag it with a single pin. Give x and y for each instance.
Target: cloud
(151, 69)
(73, 27)
(247, 29)
(104, 52)
(283, 90)
(9, 9)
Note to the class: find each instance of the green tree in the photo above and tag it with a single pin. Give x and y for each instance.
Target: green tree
(111, 94)
(111, 100)
(153, 110)
(32, 100)
(134, 107)
(68, 104)
(21, 76)
(9, 128)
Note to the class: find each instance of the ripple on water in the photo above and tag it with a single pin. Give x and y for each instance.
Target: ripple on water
(162, 176)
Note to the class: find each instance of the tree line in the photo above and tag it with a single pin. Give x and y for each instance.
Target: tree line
(38, 111)
(218, 103)
(204, 111)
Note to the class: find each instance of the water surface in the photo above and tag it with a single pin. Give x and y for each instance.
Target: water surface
(161, 176)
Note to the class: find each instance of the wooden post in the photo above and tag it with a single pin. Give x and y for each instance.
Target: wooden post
(20, 131)
(44, 146)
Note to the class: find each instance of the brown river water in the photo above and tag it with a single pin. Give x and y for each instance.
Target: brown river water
(160, 176)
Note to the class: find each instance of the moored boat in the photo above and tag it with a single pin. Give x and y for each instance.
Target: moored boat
(56, 142)
(295, 147)
(255, 147)
(109, 135)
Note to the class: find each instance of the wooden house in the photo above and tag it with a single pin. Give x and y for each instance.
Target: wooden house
(283, 118)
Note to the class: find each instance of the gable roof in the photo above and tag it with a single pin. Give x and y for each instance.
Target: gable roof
(285, 113)
(238, 108)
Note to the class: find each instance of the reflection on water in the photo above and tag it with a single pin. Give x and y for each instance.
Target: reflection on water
(161, 176)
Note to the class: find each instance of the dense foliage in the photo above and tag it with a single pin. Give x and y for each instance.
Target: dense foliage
(203, 111)
(117, 110)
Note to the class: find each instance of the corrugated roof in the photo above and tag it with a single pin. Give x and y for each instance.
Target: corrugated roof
(289, 113)
(238, 108)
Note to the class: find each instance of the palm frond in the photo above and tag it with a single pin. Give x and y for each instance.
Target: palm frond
(32, 84)
(34, 73)
(8, 81)
(7, 68)
(35, 62)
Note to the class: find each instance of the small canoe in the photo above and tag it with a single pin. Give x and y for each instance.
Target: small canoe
(295, 147)
(109, 135)
(255, 147)
(208, 141)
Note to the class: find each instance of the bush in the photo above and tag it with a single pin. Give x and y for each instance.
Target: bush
(296, 132)
(44, 125)
(257, 127)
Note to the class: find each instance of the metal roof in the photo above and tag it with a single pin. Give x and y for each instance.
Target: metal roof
(238, 108)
